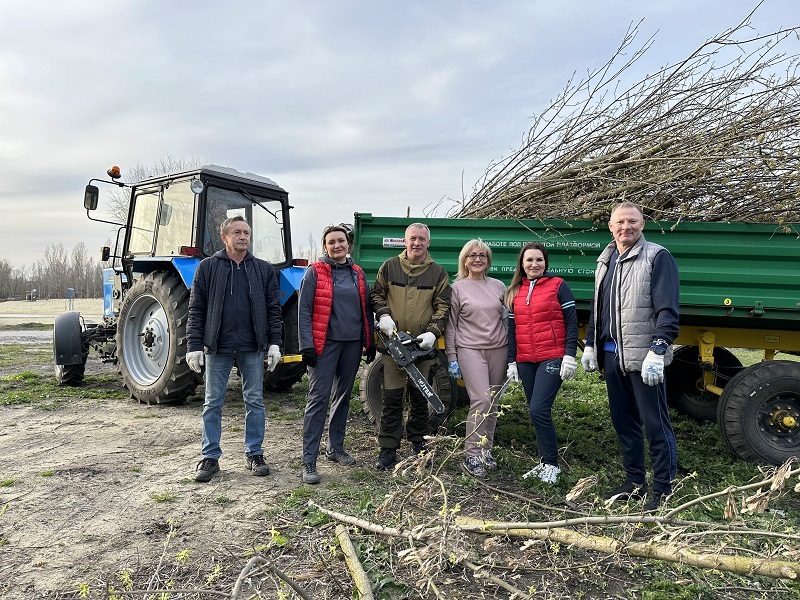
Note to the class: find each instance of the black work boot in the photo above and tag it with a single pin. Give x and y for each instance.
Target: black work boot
(386, 459)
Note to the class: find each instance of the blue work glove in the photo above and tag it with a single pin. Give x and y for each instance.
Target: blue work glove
(454, 369)
(653, 368)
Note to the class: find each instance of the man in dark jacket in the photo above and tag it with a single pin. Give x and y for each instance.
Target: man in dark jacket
(234, 314)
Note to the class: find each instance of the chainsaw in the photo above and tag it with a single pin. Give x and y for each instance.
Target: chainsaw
(406, 353)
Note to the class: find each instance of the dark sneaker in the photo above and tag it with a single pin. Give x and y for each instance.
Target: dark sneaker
(627, 491)
(310, 474)
(343, 458)
(655, 500)
(257, 465)
(473, 465)
(206, 469)
(386, 459)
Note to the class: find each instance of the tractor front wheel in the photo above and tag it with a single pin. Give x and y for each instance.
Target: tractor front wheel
(151, 340)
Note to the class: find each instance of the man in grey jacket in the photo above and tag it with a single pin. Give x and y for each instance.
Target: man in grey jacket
(234, 315)
(633, 323)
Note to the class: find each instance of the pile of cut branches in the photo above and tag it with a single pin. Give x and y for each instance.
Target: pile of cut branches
(435, 538)
(714, 137)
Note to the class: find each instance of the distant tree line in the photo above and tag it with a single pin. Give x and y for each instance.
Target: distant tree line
(53, 274)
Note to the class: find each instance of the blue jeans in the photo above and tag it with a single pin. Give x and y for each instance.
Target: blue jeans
(218, 369)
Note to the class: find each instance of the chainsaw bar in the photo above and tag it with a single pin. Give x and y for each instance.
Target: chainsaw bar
(405, 352)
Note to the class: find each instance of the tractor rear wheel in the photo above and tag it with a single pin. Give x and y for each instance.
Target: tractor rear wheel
(151, 340)
(286, 374)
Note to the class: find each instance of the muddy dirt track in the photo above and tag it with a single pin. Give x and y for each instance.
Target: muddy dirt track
(93, 487)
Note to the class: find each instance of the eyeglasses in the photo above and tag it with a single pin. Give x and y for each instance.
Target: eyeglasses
(474, 256)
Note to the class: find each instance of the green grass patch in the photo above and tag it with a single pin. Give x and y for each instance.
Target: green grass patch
(7, 482)
(13, 355)
(162, 497)
(28, 387)
(28, 327)
(47, 473)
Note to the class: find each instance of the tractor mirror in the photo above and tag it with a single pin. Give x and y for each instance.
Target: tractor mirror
(166, 215)
(91, 197)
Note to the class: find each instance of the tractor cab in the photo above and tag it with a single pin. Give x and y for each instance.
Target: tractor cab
(173, 223)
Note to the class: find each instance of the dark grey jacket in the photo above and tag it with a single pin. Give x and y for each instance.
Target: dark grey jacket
(207, 299)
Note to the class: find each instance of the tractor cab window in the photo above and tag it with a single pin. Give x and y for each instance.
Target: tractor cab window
(175, 219)
(143, 224)
(265, 217)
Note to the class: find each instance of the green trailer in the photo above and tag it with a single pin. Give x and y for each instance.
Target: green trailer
(740, 288)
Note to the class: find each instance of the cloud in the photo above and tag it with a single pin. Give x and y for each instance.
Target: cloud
(374, 105)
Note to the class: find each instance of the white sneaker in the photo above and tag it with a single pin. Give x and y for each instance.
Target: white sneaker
(549, 473)
(534, 472)
(545, 472)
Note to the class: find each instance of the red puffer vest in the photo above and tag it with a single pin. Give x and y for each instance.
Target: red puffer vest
(323, 304)
(539, 324)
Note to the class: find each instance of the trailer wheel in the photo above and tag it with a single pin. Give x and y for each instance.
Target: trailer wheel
(684, 380)
(371, 392)
(759, 412)
(151, 340)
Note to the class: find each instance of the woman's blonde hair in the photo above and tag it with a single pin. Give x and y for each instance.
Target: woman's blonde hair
(481, 246)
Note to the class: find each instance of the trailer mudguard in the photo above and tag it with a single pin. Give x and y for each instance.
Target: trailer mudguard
(67, 343)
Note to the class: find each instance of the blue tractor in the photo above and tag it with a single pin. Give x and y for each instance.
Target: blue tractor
(173, 223)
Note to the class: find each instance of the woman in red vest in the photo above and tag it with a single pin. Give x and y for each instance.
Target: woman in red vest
(335, 324)
(542, 342)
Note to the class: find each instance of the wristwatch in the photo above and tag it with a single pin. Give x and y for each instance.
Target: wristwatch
(659, 350)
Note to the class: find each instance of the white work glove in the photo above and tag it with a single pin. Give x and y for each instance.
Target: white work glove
(512, 372)
(588, 361)
(426, 340)
(273, 357)
(568, 367)
(195, 360)
(387, 325)
(653, 368)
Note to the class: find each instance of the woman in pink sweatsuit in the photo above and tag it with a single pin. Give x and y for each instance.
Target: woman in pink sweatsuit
(476, 346)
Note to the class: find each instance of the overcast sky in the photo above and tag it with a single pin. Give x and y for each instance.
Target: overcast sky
(368, 106)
